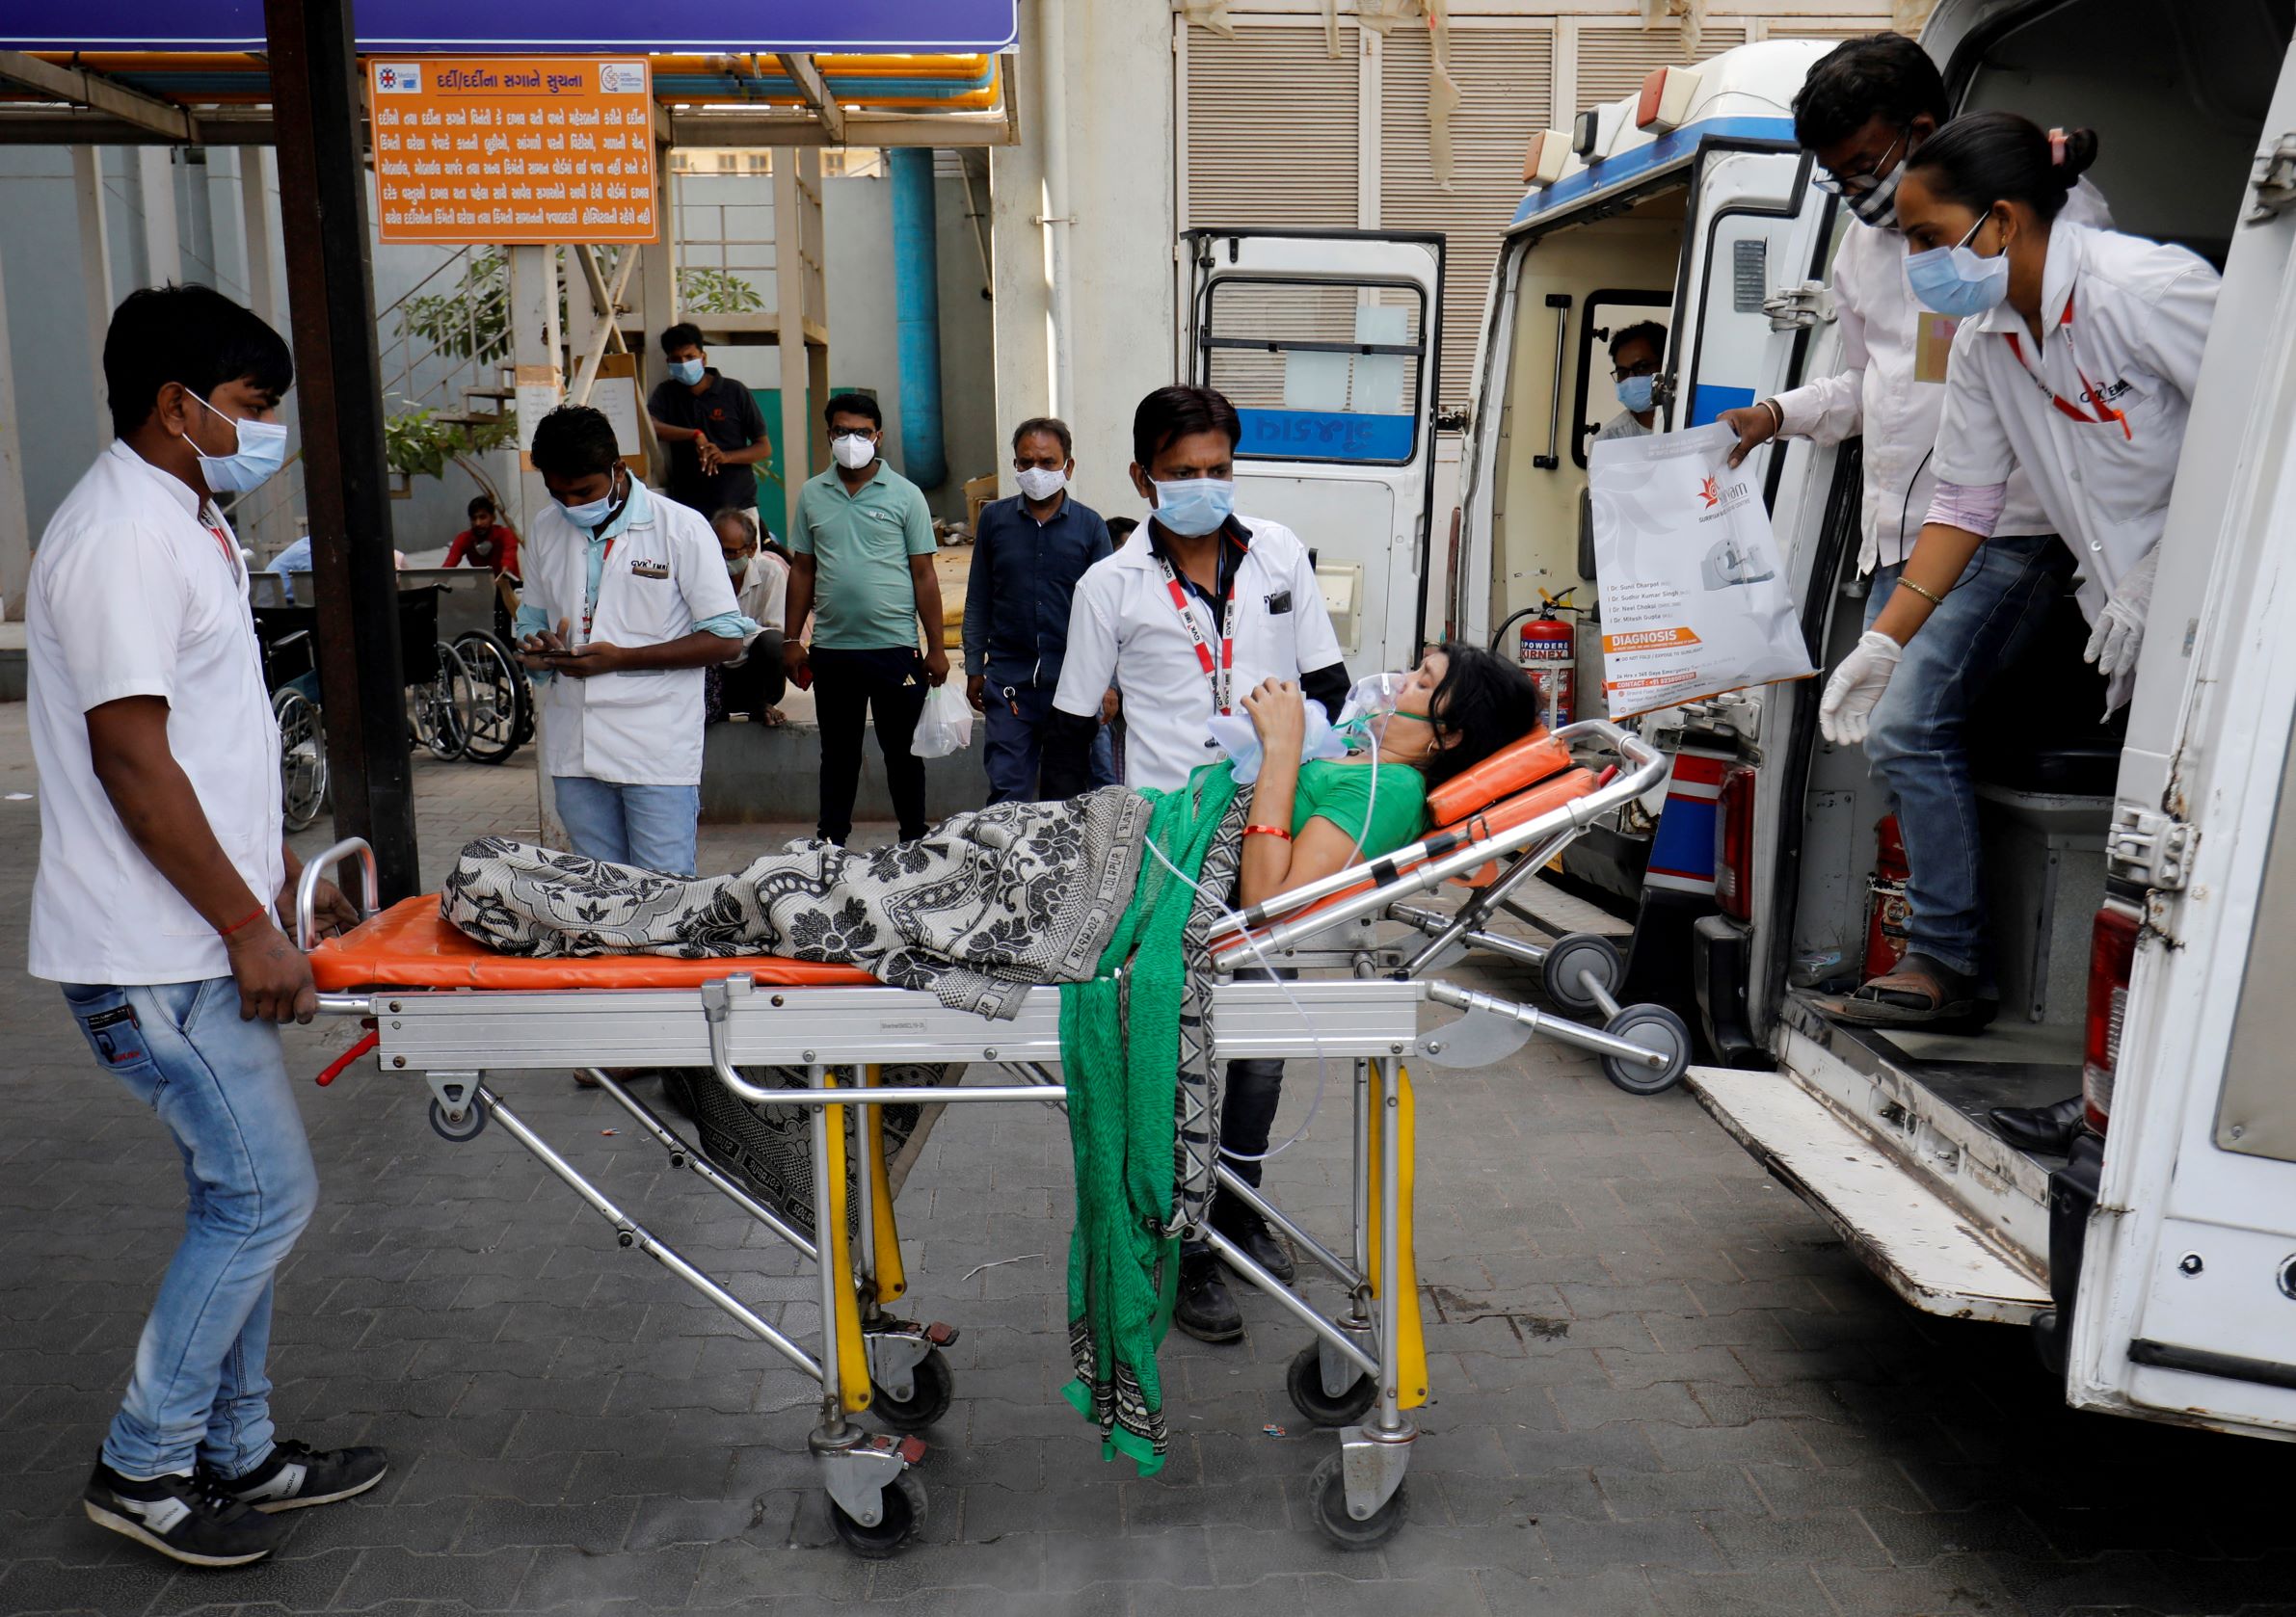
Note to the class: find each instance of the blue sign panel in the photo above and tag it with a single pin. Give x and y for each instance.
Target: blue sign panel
(459, 27)
(1318, 435)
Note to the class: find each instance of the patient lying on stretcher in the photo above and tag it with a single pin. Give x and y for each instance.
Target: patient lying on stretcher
(993, 902)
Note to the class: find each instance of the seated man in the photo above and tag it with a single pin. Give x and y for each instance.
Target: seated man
(748, 686)
(488, 541)
(1637, 355)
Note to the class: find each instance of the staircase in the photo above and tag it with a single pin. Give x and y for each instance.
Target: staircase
(450, 346)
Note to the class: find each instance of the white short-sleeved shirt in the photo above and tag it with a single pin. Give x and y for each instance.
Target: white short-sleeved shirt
(2125, 321)
(1123, 630)
(135, 591)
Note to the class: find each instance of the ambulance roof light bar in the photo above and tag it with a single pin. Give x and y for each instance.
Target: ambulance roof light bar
(1547, 159)
(1664, 103)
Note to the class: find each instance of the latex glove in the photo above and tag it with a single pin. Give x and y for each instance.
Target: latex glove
(2119, 632)
(1846, 710)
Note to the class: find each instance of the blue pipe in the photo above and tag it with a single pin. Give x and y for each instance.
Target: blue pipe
(917, 313)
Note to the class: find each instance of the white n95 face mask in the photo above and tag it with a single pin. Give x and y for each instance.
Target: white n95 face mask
(853, 452)
(1041, 483)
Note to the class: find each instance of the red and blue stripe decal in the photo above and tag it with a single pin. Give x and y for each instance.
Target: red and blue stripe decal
(1682, 852)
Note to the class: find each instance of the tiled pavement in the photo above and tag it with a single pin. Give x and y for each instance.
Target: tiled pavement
(1661, 1386)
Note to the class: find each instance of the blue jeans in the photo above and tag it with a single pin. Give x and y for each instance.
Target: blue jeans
(650, 827)
(199, 1390)
(1010, 749)
(1916, 745)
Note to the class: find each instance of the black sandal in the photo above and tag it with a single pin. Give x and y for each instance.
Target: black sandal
(1922, 994)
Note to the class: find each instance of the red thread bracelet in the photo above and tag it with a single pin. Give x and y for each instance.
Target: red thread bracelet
(1267, 831)
(260, 911)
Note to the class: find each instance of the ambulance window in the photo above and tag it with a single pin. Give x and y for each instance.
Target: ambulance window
(1607, 313)
(1745, 253)
(1319, 370)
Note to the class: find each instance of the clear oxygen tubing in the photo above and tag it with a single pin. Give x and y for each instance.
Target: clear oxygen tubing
(1376, 697)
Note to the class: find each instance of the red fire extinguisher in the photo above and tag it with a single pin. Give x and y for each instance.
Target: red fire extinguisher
(1887, 908)
(1548, 651)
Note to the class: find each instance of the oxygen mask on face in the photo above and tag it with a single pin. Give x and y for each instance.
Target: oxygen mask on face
(1372, 700)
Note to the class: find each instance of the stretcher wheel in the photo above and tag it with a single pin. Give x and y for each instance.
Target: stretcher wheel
(929, 1396)
(474, 1123)
(904, 1516)
(1573, 955)
(1327, 1498)
(1304, 1381)
(1654, 1027)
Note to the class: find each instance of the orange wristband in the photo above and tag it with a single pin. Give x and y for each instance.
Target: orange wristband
(1267, 831)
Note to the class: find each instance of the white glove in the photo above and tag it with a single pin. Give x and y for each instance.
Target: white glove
(2119, 632)
(1846, 710)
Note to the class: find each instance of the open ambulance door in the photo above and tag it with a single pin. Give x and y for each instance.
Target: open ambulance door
(2186, 1304)
(1327, 343)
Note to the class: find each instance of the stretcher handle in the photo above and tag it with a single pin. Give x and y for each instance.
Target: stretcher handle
(367, 1040)
(1434, 860)
(307, 887)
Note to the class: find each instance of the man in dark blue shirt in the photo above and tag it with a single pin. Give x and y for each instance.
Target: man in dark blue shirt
(1028, 553)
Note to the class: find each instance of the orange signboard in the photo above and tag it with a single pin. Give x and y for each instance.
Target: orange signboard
(513, 150)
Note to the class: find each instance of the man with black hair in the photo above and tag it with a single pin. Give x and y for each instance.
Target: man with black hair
(1028, 553)
(864, 550)
(712, 426)
(626, 603)
(488, 541)
(1637, 355)
(163, 886)
(1866, 106)
(1198, 607)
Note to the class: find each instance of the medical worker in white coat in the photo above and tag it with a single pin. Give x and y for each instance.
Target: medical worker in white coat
(2074, 363)
(627, 601)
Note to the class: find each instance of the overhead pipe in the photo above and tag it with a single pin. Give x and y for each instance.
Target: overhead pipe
(917, 313)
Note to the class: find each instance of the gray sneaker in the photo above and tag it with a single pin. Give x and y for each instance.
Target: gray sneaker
(184, 1517)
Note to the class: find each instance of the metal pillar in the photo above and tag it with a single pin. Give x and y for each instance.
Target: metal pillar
(16, 520)
(317, 96)
(788, 309)
(95, 268)
(534, 346)
(155, 189)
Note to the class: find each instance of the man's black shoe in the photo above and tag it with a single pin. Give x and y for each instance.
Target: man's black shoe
(2048, 1130)
(181, 1516)
(296, 1474)
(1259, 1243)
(1204, 1310)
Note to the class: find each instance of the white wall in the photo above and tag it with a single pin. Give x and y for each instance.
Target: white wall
(1120, 173)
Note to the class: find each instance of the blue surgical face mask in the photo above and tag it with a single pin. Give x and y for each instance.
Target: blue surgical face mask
(688, 371)
(1634, 392)
(1194, 506)
(1955, 281)
(261, 450)
(593, 515)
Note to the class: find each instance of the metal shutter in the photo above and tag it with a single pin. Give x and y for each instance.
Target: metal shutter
(1786, 28)
(1614, 61)
(1273, 143)
(1506, 79)
(1271, 128)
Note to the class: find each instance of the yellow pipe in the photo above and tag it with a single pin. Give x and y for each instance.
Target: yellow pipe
(853, 1390)
(891, 1281)
(1410, 1355)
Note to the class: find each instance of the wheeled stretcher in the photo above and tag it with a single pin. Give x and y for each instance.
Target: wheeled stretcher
(442, 1009)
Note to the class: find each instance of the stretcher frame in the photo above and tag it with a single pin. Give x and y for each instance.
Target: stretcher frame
(1353, 1374)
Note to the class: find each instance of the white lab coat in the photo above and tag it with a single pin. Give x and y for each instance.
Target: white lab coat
(1892, 388)
(2140, 312)
(662, 576)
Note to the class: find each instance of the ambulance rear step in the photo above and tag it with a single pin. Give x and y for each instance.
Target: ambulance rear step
(1926, 1250)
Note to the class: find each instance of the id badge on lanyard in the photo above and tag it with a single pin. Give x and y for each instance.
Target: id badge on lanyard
(2104, 412)
(590, 605)
(1220, 672)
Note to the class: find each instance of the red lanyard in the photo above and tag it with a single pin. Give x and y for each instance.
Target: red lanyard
(1223, 673)
(2104, 412)
(222, 541)
(590, 605)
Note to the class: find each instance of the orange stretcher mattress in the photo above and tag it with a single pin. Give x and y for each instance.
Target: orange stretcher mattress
(412, 945)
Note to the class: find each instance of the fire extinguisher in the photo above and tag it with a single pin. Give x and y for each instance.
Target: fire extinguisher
(1548, 651)
(1887, 908)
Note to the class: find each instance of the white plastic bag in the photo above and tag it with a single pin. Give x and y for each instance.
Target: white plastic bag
(1695, 597)
(945, 726)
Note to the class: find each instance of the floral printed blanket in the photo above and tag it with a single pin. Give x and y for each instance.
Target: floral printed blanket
(984, 907)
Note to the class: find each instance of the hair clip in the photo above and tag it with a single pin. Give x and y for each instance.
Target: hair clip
(2057, 149)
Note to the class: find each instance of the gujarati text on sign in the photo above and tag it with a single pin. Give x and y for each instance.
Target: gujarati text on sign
(519, 149)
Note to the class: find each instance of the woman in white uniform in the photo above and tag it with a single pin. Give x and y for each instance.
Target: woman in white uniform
(2074, 363)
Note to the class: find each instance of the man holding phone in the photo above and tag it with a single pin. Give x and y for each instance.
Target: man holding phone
(628, 600)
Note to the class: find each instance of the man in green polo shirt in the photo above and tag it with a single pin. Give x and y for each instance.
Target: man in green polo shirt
(863, 547)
